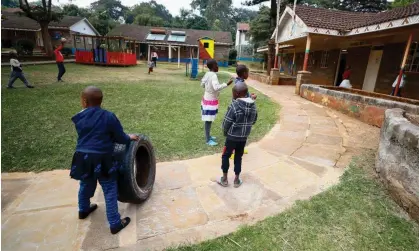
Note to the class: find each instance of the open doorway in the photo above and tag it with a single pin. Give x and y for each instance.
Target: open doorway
(341, 67)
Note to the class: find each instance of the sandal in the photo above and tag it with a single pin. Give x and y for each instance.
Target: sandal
(124, 222)
(223, 183)
(237, 184)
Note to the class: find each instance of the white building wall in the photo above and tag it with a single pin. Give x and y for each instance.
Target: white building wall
(83, 28)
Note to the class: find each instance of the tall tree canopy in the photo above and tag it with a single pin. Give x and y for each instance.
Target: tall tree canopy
(114, 8)
(260, 27)
(43, 14)
(149, 14)
(76, 11)
(217, 12)
(187, 19)
(10, 3)
(399, 3)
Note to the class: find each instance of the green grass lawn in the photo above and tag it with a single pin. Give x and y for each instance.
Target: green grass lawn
(38, 135)
(355, 215)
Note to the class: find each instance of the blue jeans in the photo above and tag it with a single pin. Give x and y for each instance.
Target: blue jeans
(110, 190)
(17, 75)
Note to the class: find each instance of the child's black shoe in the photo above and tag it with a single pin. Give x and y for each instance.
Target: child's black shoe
(124, 222)
(83, 215)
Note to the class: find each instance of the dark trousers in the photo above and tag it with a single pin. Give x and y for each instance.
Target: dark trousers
(238, 148)
(110, 190)
(17, 75)
(399, 93)
(61, 70)
(154, 59)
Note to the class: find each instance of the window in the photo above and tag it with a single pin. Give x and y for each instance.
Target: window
(412, 63)
(176, 38)
(324, 60)
(206, 45)
(156, 37)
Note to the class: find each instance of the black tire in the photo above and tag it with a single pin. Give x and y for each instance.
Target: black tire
(138, 172)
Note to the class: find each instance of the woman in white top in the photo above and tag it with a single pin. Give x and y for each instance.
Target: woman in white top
(209, 103)
(154, 58)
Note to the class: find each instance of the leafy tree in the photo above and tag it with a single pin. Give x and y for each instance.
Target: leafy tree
(260, 27)
(395, 4)
(243, 15)
(102, 22)
(214, 10)
(75, 11)
(43, 14)
(187, 19)
(10, 3)
(114, 8)
(149, 13)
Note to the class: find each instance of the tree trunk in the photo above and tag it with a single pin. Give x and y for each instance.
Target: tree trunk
(273, 14)
(46, 37)
(271, 56)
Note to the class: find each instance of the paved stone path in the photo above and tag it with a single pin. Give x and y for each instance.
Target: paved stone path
(301, 156)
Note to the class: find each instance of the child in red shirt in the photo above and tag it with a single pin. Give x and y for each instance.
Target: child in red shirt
(59, 58)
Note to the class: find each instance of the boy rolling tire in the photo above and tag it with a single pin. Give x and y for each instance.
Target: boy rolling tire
(138, 171)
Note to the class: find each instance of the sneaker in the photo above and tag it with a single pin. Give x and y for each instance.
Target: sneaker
(212, 143)
(122, 225)
(11, 87)
(30, 86)
(83, 215)
(213, 138)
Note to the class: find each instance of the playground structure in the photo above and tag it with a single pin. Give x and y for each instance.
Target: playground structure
(206, 51)
(105, 50)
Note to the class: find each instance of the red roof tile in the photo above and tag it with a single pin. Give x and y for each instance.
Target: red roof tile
(243, 26)
(346, 20)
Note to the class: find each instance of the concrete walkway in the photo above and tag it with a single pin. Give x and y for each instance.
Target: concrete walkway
(304, 154)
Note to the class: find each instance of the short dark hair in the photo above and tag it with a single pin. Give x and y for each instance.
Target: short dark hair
(13, 54)
(211, 63)
(241, 69)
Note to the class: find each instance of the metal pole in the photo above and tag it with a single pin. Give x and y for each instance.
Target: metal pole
(293, 64)
(406, 53)
(178, 57)
(307, 52)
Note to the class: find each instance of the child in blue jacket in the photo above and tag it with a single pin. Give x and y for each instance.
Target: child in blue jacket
(98, 130)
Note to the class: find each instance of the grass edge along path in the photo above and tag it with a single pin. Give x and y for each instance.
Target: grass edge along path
(38, 135)
(357, 214)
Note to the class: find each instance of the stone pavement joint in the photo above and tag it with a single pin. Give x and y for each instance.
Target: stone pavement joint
(304, 154)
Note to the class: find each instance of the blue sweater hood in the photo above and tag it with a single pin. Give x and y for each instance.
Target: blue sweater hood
(98, 130)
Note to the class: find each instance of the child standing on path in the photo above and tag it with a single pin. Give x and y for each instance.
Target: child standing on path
(17, 72)
(209, 103)
(239, 119)
(243, 74)
(150, 66)
(97, 131)
(59, 58)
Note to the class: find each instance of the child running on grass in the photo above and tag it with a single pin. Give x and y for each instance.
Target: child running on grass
(150, 66)
(97, 131)
(209, 103)
(17, 72)
(240, 117)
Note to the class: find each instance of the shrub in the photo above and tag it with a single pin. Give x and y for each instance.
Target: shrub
(24, 47)
(232, 56)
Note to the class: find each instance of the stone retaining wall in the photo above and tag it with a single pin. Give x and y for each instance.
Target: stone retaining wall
(398, 160)
(365, 106)
(261, 77)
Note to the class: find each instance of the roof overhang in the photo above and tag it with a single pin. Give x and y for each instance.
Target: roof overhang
(17, 29)
(88, 23)
(300, 29)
